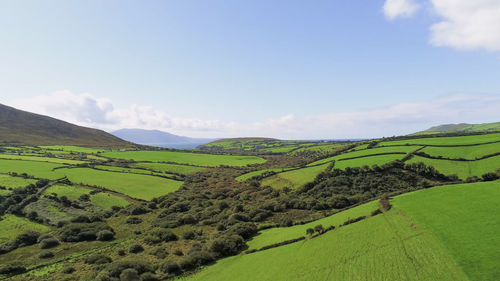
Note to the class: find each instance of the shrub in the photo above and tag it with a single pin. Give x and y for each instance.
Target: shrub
(97, 259)
(133, 220)
(49, 243)
(46, 255)
(68, 270)
(319, 228)
(105, 235)
(148, 276)
(135, 248)
(490, 177)
(12, 269)
(171, 268)
(309, 231)
(178, 253)
(76, 232)
(129, 274)
(122, 252)
(188, 235)
(160, 235)
(227, 245)
(159, 253)
(116, 268)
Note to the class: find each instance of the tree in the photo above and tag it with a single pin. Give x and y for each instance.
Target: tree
(319, 228)
(309, 231)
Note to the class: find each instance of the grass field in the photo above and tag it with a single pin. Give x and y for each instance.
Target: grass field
(368, 161)
(466, 219)
(384, 247)
(36, 169)
(101, 199)
(295, 178)
(322, 149)
(79, 149)
(365, 152)
(134, 185)
(463, 169)
(280, 234)
(465, 152)
(11, 226)
(170, 168)
(128, 170)
(197, 159)
(41, 159)
(246, 176)
(14, 182)
(461, 140)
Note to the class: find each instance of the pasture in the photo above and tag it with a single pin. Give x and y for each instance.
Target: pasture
(463, 169)
(41, 159)
(128, 170)
(384, 247)
(446, 141)
(295, 178)
(465, 219)
(196, 159)
(14, 182)
(42, 170)
(247, 176)
(13, 226)
(367, 161)
(101, 199)
(465, 152)
(72, 148)
(169, 168)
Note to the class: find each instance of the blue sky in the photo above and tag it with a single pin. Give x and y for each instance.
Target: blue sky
(240, 68)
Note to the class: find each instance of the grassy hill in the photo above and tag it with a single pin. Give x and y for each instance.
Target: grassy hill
(21, 127)
(462, 127)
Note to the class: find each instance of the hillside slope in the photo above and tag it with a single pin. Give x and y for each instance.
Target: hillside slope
(463, 127)
(21, 127)
(159, 138)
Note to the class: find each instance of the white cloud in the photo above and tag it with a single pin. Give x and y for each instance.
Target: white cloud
(398, 119)
(394, 9)
(467, 24)
(463, 24)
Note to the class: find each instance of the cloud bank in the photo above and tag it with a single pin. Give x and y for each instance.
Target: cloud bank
(463, 24)
(403, 118)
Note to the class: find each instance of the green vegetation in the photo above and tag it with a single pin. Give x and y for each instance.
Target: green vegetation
(37, 169)
(367, 161)
(277, 235)
(14, 182)
(170, 168)
(463, 127)
(446, 141)
(246, 176)
(73, 148)
(101, 199)
(378, 248)
(127, 170)
(463, 152)
(136, 186)
(465, 219)
(463, 169)
(41, 159)
(12, 226)
(197, 159)
(295, 178)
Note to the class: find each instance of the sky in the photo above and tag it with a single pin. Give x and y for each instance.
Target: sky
(289, 69)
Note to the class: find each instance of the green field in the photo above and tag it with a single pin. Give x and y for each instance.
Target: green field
(295, 178)
(246, 176)
(12, 226)
(384, 247)
(365, 152)
(465, 152)
(446, 141)
(128, 170)
(463, 169)
(32, 168)
(321, 149)
(41, 159)
(134, 185)
(280, 234)
(170, 168)
(367, 161)
(101, 199)
(465, 218)
(14, 182)
(72, 148)
(197, 159)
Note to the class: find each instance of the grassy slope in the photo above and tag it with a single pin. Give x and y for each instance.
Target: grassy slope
(465, 218)
(11, 226)
(295, 178)
(101, 199)
(73, 148)
(463, 169)
(246, 176)
(14, 182)
(170, 168)
(461, 140)
(37, 169)
(187, 158)
(393, 250)
(463, 128)
(368, 161)
(280, 234)
(41, 159)
(466, 152)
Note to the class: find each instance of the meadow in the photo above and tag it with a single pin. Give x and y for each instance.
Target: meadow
(170, 168)
(196, 159)
(12, 226)
(367, 161)
(384, 247)
(446, 141)
(465, 152)
(247, 176)
(41, 159)
(295, 178)
(37, 169)
(128, 170)
(72, 148)
(280, 234)
(463, 169)
(14, 182)
(465, 219)
(101, 199)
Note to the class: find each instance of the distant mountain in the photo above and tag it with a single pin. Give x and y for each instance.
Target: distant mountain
(463, 127)
(159, 138)
(21, 127)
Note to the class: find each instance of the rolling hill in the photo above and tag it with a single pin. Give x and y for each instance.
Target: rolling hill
(159, 138)
(21, 127)
(462, 127)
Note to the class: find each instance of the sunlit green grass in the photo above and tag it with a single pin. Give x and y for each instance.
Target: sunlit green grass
(295, 178)
(101, 199)
(15, 182)
(74, 148)
(465, 152)
(170, 168)
(128, 170)
(463, 169)
(368, 161)
(460, 140)
(33, 168)
(197, 159)
(465, 218)
(12, 226)
(41, 159)
(246, 176)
